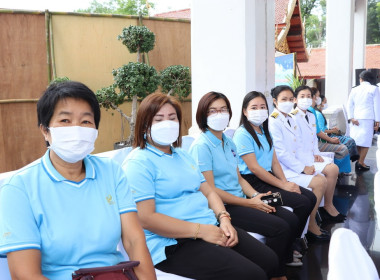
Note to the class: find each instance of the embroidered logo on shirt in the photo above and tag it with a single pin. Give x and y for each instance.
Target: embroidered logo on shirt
(233, 152)
(7, 234)
(109, 199)
(193, 167)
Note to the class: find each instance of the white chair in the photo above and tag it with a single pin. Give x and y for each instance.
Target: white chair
(229, 132)
(117, 155)
(187, 140)
(348, 259)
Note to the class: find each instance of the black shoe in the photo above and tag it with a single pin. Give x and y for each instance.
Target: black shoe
(311, 237)
(326, 217)
(361, 168)
(354, 158)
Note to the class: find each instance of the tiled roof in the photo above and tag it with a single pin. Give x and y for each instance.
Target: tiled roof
(315, 67)
(281, 9)
(185, 13)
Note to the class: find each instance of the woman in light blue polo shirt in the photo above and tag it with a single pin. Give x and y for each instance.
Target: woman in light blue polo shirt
(69, 209)
(217, 159)
(258, 162)
(173, 201)
(328, 143)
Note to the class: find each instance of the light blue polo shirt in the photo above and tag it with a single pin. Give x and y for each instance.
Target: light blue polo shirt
(173, 181)
(245, 144)
(74, 224)
(222, 160)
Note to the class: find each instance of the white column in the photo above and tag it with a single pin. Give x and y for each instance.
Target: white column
(360, 35)
(339, 45)
(232, 50)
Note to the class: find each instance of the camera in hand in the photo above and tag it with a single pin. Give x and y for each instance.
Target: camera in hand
(273, 199)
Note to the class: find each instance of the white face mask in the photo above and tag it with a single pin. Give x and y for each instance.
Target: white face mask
(218, 122)
(285, 107)
(325, 106)
(318, 101)
(165, 132)
(304, 103)
(72, 143)
(257, 117)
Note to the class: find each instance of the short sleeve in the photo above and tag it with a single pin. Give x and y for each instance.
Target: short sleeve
(202, 156)
(123, 193)
(244, 143)
(18, 226)
(140, 178)
(320, 122)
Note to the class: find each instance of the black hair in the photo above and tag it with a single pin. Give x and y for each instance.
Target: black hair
(203, 105)
(367, 76)
(247, 125)
(275, 92)
(296, 92)
(62, 90)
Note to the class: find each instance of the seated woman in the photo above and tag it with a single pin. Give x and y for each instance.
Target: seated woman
(310, 154)
(327, 143)
(335, 132)
(287, 142)
(173, 201)
(216, 156)
(258, 162)
(69, 209)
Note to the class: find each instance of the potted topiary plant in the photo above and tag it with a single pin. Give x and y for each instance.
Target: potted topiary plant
(137, 79)
(131, 81)
(176, 80)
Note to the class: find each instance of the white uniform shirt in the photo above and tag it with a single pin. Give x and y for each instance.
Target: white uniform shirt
(287, 143)
(364, 102)
(308, 133)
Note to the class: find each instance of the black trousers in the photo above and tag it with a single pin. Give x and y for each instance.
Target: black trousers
(302, 204)
(279, 228)
(198, 259)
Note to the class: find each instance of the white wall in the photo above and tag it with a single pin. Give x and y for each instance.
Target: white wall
(232, 49)
(360, 35)
(339, 50)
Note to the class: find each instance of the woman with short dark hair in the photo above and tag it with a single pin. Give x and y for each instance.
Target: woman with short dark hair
(184, 219)
(288, 145)
(329, 143)
(69, 209)
(310, 155)
(217, 159)
(363, 110)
